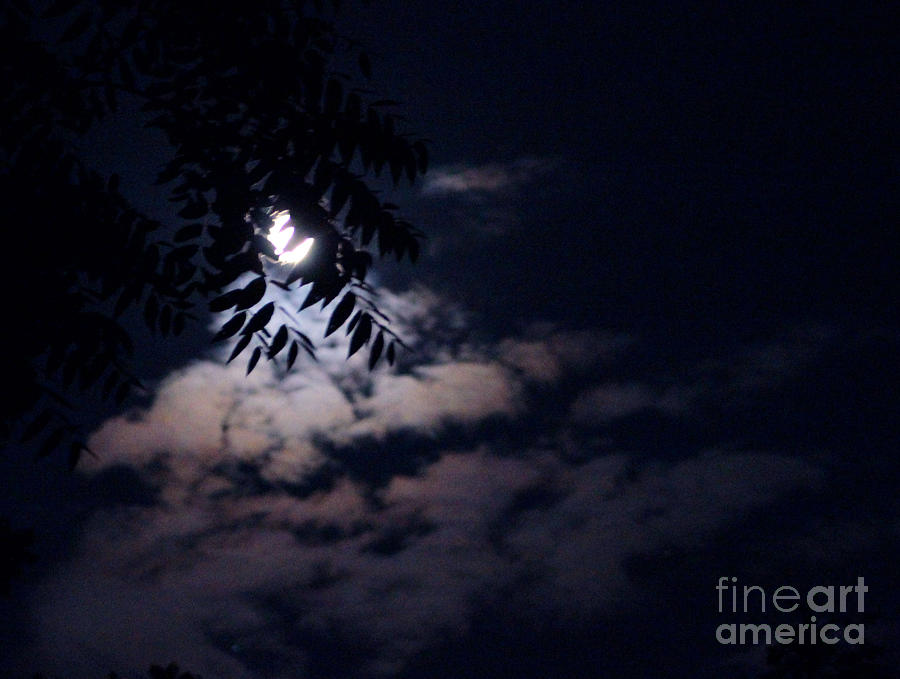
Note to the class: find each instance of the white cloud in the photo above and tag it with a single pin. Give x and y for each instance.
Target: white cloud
(448, 540)
(491, 178)
(240, 560)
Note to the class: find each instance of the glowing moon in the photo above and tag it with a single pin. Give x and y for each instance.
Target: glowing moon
(280, 235)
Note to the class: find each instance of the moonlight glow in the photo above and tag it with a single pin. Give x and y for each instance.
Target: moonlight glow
(280, 235)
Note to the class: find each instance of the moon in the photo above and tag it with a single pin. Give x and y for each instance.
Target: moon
(280, 235)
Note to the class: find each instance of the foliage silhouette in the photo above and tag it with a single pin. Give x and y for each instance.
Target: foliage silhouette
(259, 122)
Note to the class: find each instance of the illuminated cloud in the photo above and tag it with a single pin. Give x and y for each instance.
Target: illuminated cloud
(491, 178)
(291, 532)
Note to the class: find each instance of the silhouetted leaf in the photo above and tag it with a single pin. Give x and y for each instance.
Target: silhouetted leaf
(278, 341)
(422, 155)
(75, 449)
(194, 209)
(126, 297)
(185, 252)
(231, 327)
(334, 93)
(239, 347)
(125, 73)
(58, 8)
(226, 301)
(151, 308)
(70, 367)
(254, 359)
(91, 371)
(51, 443)
(108, 385)
(353, 321)
(122, 392)
(362, 334)
(77, 27)
(37, 425)
(260, 318)
(377, 347)
(413, 246)
(292, 354)
(252, 293)
(390, 353)
(365, 65)
(396, 164)
(188, 232)
(165, 319)
(314, 296)
(341, 313)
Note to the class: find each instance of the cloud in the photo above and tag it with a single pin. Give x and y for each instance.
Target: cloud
(484, 179)
(230, 579)
(339, 516)
(545, 355)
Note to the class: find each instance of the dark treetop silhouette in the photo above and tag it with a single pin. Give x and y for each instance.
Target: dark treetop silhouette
(259, 122)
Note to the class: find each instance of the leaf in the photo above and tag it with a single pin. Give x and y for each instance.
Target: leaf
(125, 73)
(362, 334)
(334, 93)
(259, 320)
(252, 294)
(126, 297)
(165, 320)
(396, 164)
(341, 313)
(354, 321)
(37, 425)
(314, 296)
(184, 252)
(278, 341)
(365, 65)
(226, 301)
(231, 327)
(108, 385)
(292, 354)
(70, 367)
(188, 232)
(122, 393)
(131, 31)
(91, 372)
(422, 152)
(353, 107)
(178, 323)
(239, 347)
(409, 159)
(77, 27)
(377, 347)
(59, 8)
(390, 353)
(254, 359)
(195, 209)
(51, 442)
(75, 449)
(24, 8)
(141, 59)
(151, 308)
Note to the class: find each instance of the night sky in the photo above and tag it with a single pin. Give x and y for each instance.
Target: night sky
(655, 344)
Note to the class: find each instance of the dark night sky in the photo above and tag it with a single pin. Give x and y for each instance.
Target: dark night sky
(656, 344)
